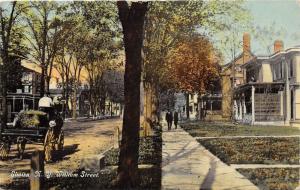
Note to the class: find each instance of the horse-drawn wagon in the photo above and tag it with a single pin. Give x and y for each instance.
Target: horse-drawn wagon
(42, 126)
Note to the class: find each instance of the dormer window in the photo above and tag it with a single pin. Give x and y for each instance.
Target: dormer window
(277, 71)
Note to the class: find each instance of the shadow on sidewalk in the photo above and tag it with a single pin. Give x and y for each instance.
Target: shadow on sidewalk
(210, 177)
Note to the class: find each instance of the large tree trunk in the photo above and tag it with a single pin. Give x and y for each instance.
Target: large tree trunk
(4, 93)
(43, 61)
(42, 83)
(47, 91)
(6, 31)
(74, 101)
(47, 85)
(151, 115)
(132, 19)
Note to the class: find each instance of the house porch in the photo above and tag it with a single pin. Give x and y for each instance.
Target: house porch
(260, 103)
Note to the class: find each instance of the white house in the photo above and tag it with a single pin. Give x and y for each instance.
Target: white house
(271, 93)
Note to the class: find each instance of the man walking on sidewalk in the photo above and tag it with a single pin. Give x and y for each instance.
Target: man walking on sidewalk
(169, 118)
(175, 119)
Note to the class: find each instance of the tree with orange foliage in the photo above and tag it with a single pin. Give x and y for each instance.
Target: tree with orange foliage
(193, 65)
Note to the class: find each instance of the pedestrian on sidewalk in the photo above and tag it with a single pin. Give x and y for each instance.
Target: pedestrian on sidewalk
(175, 119)
(169, 119)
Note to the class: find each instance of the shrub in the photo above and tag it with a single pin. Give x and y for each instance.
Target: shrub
(30, 118)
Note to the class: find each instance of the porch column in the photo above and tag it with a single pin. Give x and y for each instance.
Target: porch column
(244, 106)
(200, 109)
(287, 100)
(287, 93)
(281, 103)
(240, 109)
(252, 103)
(13, 108)
(235, 109)
(23, 98)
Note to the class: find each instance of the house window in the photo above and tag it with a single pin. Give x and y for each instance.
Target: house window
(274, 72)
(26, 89)
(281, 69)
(277, 71)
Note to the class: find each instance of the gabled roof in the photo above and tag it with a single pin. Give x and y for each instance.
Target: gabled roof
(227, 65)
(259, 59)
(31, 66)
(254, 60)
(237, 58)
(287, 51)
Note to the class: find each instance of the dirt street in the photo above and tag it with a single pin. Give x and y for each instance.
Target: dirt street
(82, 139)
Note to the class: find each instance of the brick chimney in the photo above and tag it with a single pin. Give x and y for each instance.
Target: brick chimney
(246, 43)
(278, 46)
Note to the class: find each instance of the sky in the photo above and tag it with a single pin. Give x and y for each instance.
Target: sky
(284, 15)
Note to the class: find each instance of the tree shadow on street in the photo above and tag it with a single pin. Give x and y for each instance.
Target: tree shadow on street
(68, 150)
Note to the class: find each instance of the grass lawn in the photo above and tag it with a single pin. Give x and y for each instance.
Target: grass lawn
(255, 150)
(207, 129)
(149, 152)
(273, 178)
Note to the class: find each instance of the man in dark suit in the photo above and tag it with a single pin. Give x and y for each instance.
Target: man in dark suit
(175, 119)
(169, 119)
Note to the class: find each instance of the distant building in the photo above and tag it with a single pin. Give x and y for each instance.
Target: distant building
(233, 75)
(180, 105)
(209, 106)
(25, 96)
(217, 104)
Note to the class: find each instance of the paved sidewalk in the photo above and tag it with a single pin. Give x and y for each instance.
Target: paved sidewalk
(188, 165)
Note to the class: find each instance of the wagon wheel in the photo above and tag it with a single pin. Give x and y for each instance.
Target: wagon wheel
(60, 142)
(49, 145)
(4, 150)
